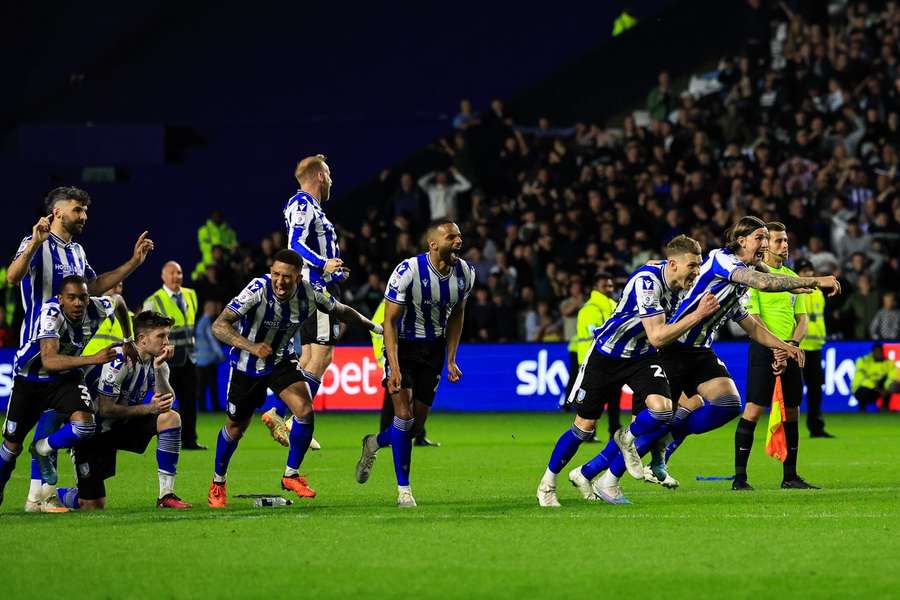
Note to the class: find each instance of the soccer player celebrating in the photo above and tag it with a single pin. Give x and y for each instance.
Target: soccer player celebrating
(48, 375)
(692, 366)
(423, 322)
(126, 422)
(314, 238)
(625, 352)
(43, 259)
(784, 314)
(267, 313)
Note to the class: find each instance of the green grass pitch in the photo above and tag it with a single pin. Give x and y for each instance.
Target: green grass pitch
(478, 531)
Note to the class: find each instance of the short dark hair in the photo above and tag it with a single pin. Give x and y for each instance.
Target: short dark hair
(434, 224)
(288, 257)
(775, 226)
(744, 227)
(72, 280)
(601, 276)
(64, 194)
(149, 320)
(682, 244)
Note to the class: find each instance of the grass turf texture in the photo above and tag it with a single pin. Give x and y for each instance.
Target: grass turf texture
(478, 531)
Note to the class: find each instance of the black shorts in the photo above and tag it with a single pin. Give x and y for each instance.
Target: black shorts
(761, 381)
(31, 398)
(247, 393)
(600, 380)
(95, 459)
(421, 364)
(689, 366)
(322, 328)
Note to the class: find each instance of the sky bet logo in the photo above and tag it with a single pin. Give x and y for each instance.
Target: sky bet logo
(536, 377)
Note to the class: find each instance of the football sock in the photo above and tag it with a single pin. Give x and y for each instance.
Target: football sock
(225, 447)
(600, 462)
(384, 438)
(69, 435)
(168, 447)
(711, 415)
(313, 382)
(743, 443)
(281, 408)
(608, 479)
(648, 421)
(300, 437)
(68, 497)
(7, 464)
(792, 437)
(34, 488)
(567, 446)
(401, 445)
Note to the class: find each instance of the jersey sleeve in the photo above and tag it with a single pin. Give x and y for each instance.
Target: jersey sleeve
(725, 264)
(324, 301)
(250, 296)
(104, 305)
(398, 284)
(89, 272)
(648, 292)
(51, 321)
(470, 280)
(740, 311)
(299, 217)
(112, 375)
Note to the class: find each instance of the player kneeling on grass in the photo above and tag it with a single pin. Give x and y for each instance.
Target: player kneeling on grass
(126, 422)
(267, 314)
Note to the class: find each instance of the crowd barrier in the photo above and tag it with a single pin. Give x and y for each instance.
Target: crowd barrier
(516, 377)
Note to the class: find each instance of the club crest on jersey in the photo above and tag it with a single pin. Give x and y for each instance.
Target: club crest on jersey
(647, 294)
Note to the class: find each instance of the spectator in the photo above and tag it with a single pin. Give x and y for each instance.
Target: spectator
(886, 323)
(860, 308)
(407, 202)
(209, 357)
(541, 325)
(660, 100)
(442, 195)
(465, 117)
(874, 378)
(481, 316)
(215, 232)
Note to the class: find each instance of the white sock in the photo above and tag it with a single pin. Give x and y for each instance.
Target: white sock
(218, 478)
(289, 472)
(34, 491)
(403, 488)
(608, 479)
(43, 447)
(166, 483)
(549, 477)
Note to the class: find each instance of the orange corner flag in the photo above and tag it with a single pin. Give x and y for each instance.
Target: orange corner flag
(776, 444)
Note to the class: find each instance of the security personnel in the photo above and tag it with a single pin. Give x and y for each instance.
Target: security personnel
(598, 308)
(180, 303)
(215, 232)
(875, 377)
(813, 375)
(110, 331)
(784, 314)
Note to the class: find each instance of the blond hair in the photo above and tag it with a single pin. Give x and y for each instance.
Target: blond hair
(682, 244)
(309, 167)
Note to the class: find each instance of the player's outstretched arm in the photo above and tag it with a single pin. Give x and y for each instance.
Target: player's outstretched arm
(54, 361)
(760, 334)
(110, 279)
(223, 329)
(772, 282)
(660, 334)
(348, 315)
(17, 270)
(454, 333)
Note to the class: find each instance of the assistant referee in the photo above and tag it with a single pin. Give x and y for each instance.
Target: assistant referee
(784, 314)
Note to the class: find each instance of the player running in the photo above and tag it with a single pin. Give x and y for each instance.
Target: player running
(48, 375)
(423, 322)
(314, 238)
(259, 324)
(625, 352)
(43, 259)
(692, 366)
(126, 422)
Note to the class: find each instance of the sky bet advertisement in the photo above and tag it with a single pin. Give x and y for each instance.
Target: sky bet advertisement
(515, 377)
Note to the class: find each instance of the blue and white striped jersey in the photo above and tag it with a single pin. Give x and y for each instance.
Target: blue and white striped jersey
(427, 296)
(266, 319)
(121, 379)
(646, 294)
(312, 236)
(714, 278)
(73, 337)
(53, 261)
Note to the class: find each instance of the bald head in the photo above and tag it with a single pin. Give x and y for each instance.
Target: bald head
(172, 276)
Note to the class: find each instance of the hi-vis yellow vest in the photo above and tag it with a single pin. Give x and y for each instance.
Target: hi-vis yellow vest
(182, 335)
(109, 332)
(378, 340)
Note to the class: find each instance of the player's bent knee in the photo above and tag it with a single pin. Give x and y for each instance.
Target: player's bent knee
(84, 429)
(692, 403)
(586, 425)
(168, 420)
(658, 403)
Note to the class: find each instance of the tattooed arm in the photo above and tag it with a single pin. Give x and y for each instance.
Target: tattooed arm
(223, 329)
(770, 282)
